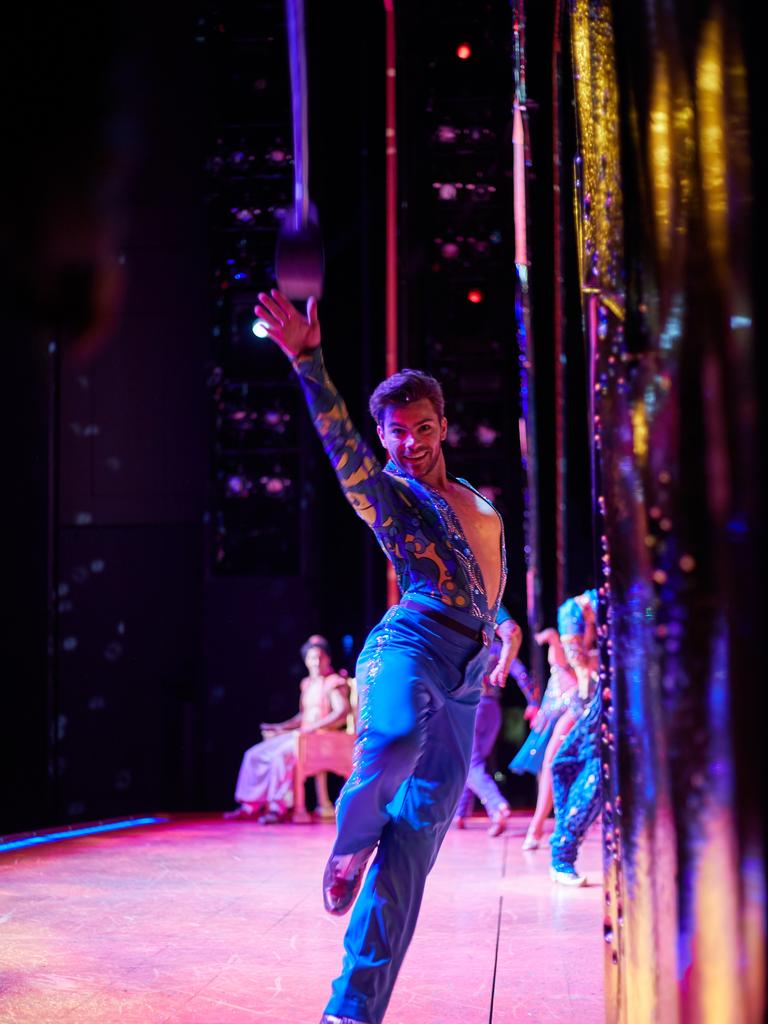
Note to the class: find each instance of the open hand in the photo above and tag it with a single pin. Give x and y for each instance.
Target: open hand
(511, 637)
(498, 676)
(286, 326)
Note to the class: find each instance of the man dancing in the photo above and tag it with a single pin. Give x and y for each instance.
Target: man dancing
(417, 711)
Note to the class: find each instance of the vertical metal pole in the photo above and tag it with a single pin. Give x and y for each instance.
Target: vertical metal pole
(561, 465)
(53, 710)
(390, 150)
(527, 422)
(297, 60)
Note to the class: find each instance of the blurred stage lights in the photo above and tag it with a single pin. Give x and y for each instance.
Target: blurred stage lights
(449, 191)
(276, 486)
(242, 160)
(493, 494)
(259, 329)
(278, 155)
(245, 214)
(475, 296)
(463, 51)
(454, 435)
(468, 247)
(238, 485)
(486, 435)
(448, 133)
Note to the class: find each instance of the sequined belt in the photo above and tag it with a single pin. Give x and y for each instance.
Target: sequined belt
(478, 635)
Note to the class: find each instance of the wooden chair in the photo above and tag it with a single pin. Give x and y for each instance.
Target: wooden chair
(320, 753)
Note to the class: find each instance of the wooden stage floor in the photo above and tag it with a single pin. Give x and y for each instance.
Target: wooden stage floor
(202, 921)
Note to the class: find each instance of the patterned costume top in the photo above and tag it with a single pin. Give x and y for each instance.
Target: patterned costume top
(559, 695)
(417, 528)
(577, 634)
(570, 615)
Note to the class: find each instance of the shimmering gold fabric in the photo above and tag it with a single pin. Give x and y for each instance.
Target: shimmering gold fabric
(663, 218)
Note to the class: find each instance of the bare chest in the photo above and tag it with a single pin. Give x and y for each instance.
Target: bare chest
(313, 700)
(481, 526)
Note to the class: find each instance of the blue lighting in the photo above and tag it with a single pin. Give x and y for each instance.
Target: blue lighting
(74, 833)
(738, 526)
(740, 322)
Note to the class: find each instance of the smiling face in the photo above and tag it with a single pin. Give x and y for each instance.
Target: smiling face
(412, 434)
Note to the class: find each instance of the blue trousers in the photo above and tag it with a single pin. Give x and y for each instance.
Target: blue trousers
(411, 759)
(479, 782)
(576, 786)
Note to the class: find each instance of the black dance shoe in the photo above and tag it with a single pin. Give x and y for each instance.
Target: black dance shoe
(342, 880)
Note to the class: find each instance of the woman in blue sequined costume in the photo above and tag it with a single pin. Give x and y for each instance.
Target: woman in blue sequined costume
(576, 775)
(417, 709)
(558, 698)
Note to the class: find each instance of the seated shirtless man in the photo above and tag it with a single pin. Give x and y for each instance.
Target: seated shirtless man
(264, 788)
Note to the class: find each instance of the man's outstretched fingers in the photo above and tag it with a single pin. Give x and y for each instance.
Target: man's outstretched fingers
(284, 304)
(263, 313)
(274, 310)
(272, 328)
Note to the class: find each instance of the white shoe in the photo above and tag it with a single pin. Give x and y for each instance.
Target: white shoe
(569, 876)
(531, 842)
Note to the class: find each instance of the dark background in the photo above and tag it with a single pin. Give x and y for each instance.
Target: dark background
(145, 640)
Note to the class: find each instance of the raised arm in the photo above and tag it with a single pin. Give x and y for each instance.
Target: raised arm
(358, 471)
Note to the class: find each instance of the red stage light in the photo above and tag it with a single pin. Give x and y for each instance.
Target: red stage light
(475, 295)
(464, 51)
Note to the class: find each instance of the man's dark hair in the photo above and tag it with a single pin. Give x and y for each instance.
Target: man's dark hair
(403, 388)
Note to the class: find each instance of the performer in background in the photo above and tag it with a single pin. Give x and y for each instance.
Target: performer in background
(480, 784)
(417, 708)
(576, 766)
(264, 789)
(554, 720)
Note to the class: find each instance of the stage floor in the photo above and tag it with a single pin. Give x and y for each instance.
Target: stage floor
(201, 921)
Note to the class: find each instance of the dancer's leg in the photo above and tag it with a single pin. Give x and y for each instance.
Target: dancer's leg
(384, 917)
(487, 725)
(576, 789)
(544, 795)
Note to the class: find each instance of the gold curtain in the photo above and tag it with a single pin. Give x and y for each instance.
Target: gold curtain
(662, 204)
